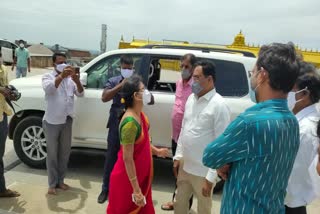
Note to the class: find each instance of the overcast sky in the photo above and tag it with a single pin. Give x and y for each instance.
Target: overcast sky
(77, 23)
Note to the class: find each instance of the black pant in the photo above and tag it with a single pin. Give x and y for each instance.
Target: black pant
(3, 138)
(296, 210)
(174, 149)
(111, 155)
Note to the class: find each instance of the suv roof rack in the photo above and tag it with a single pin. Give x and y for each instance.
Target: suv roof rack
(203, 49)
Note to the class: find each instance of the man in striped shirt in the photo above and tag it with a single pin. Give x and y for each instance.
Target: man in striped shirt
(257, 150)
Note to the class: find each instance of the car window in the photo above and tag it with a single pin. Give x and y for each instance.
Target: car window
(231, 78)
(106, 68)
(164, 72)
(6, 44)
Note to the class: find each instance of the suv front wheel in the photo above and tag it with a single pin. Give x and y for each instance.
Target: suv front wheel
(29, 142)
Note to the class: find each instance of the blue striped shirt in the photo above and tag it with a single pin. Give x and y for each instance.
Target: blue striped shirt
(261, 145)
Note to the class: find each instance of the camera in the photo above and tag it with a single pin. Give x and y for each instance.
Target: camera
(14, 93)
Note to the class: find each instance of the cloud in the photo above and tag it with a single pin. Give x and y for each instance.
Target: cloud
(78, 23)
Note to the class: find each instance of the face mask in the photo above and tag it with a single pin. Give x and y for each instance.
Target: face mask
(253, 91)
(146, 97)
(185, 74)
(196, 88)
(60, 67)
(252, 94)
(292, 98)
(126, 73)
(21, 45)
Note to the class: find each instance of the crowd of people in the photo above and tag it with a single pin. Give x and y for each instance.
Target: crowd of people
(269, 155)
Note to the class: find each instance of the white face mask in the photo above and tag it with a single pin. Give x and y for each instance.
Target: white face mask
(146, 97)
(60, 67)
(126, 73)
(21, 45)
(292, 98)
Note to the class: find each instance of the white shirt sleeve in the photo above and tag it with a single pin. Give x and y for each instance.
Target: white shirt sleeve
(221, 119)
(76, 92)
(212, 176)
(48, 84)
(221, 122)
(179, 151)
(315, 177)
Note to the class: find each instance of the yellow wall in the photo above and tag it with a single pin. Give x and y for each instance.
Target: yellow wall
(239, 43)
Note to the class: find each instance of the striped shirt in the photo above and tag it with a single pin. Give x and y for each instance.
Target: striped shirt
(261, 145)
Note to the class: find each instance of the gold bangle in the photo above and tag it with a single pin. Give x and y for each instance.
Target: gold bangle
(132, 179)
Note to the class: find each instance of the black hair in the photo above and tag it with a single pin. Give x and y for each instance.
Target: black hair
(191, 58)
(208, 69)
(130, 86)
(55, 55)
(306, 67)
(311, 81)
(21, 41)
(126, 59)
(282, 64)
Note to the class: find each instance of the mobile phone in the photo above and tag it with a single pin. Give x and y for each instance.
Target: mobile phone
(77, 70)
(134, 201)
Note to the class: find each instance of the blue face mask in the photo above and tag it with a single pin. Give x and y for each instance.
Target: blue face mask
(253, 96)
(196, 88)
(253, 92)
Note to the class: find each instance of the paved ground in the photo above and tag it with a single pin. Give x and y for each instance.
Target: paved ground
(85, 172)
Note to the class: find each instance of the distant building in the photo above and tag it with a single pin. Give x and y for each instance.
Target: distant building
(41, 56)
(73, 53)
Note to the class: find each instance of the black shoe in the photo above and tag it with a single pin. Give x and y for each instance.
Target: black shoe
(103, 197)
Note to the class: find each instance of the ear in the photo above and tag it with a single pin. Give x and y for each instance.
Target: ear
(263, 74)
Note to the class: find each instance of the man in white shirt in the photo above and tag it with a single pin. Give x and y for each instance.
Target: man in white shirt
(205, 118)
(59, 86)
(302, 100)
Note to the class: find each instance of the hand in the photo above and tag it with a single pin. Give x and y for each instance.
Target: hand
(5, 92)
(223, 172)
(67, 71)
(75, 77)
(207, 188)
(176, 164)
(123, 82)
(162, 153)
(139, 199)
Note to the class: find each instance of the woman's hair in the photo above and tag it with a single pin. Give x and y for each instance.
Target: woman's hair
(132, 85)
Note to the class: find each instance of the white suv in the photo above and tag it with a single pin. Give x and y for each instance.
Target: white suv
(159, 69)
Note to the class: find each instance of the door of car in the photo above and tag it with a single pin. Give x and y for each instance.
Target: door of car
(163, 74)
(91, 113)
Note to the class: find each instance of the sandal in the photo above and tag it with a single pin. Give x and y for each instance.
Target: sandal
(167, 206)
(9, 194)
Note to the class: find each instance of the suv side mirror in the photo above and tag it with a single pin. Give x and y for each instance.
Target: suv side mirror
(83, 78)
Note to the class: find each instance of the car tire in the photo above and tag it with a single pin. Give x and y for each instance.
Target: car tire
(29, 142)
